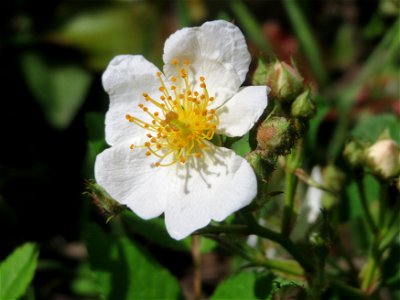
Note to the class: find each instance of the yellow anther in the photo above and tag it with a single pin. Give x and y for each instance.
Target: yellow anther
(182, 122)
(183, 73)
(132, 146)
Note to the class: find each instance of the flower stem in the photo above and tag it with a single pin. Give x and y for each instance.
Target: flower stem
(351, 292)
(291, 180)
(306, 39)
(365, 207)
(282, 240)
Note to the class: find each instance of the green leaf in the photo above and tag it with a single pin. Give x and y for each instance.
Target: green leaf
(59, 89)
(111, 30)
(125, 271)
(369, 128)
(17, 270)
(245, 285)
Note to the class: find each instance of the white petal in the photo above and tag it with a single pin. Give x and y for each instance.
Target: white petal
(128, 176)
(239, 114)
(216, 50)
(210, 189)
(126, 78)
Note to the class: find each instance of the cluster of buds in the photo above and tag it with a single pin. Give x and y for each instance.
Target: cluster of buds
(293, 104)
(382, 157)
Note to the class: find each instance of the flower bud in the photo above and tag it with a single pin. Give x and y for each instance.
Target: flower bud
(303, 106)
(383, 158)
(354, 152)
(105, 203)
(285, 82)
(276, 136)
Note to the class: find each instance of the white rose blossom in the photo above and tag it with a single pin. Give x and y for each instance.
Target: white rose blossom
(160, 127)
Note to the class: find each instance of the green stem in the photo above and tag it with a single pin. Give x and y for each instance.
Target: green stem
(281, 266)
(306, 39)
(251, 28)
(349, 291)
(290, 188)
(291, 180)
(229, 229)
(383, 198)
(285, 242)
(365, 206)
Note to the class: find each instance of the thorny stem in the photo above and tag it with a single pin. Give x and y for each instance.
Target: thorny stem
(282, 240)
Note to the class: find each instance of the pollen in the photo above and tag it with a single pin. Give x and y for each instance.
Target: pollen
(181, 122)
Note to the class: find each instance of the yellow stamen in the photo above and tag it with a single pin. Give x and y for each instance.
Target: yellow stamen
(183, 123)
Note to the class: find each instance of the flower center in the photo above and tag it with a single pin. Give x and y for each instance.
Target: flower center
(183, 123)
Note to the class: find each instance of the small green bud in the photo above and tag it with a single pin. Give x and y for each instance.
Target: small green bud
(333, 179)
(106, 204)
(263, 168)
(303, 106)
(285, 82)
(276, 136)
(354, 152)
(383, 158)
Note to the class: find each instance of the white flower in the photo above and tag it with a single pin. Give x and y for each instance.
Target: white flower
(160, 129)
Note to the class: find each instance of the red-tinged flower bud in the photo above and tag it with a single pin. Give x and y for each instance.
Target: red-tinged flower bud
(276, 136)
(383, 158)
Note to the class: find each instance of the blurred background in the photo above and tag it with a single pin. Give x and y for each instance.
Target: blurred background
(52, 105)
